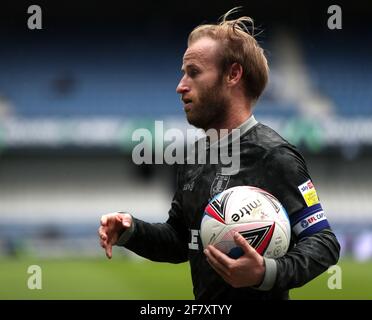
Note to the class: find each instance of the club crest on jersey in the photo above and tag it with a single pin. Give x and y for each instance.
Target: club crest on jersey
(219, 184)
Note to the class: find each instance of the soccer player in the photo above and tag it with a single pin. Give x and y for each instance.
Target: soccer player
(224, 73)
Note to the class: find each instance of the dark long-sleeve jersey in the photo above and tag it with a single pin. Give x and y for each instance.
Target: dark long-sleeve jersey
(269, 162)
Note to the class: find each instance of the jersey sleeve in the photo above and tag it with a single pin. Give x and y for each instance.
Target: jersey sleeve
(163, 242)
(288, 180)
(314, 247)
(285, 171)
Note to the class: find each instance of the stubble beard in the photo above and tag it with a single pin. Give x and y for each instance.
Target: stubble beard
(211, 110)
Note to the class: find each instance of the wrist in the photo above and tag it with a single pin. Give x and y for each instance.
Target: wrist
(269, 276)
(261, 269)
(126, 233)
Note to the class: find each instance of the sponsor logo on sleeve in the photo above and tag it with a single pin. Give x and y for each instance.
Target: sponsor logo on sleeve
(309, 221)
(308, 192)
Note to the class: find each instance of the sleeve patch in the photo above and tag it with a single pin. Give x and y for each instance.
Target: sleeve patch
(308, 192)
(309, 221)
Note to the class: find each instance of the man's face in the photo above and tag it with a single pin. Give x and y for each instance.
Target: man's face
(201, 87)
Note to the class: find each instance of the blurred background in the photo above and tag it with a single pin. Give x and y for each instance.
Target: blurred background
(72, 93)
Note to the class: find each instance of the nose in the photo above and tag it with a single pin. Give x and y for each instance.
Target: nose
(182, 87)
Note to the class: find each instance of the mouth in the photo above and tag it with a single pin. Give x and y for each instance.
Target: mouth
(187, 104)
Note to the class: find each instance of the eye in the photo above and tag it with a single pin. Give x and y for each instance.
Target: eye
(193, 72)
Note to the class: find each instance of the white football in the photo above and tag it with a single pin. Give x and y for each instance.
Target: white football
(256, 214)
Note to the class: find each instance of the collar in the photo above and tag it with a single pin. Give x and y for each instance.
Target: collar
(243, 128)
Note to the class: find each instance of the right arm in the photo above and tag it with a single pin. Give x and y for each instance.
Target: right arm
(163, 242)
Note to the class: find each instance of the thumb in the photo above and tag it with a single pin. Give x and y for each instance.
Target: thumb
(243, 243)
(123, 220)
(126, 220)
(126, 223)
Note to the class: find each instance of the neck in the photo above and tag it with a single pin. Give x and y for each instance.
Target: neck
(236, 114)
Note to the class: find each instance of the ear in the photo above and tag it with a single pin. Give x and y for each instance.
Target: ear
(235, 73)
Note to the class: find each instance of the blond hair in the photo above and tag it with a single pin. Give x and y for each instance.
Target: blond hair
(238, 46)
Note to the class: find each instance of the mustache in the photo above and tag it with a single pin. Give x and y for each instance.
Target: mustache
(185, 99)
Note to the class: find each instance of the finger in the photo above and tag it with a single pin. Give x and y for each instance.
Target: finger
(104, 220)
(220, 268)
(102, 234)
(243, 243)
(106, 217)
(222, 258)
(103, 244)
(103, 237)
(109, 251)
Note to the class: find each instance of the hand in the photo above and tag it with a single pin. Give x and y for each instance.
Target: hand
(112, 226)
(246, 271)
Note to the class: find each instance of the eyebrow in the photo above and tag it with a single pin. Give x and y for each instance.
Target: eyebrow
(188, 66)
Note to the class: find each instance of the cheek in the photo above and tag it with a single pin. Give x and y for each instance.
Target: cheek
(200, 90)
(203, 86)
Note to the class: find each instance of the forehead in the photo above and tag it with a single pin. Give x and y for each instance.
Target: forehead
(202, 51)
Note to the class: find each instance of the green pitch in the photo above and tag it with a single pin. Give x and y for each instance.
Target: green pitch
(128, 279)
